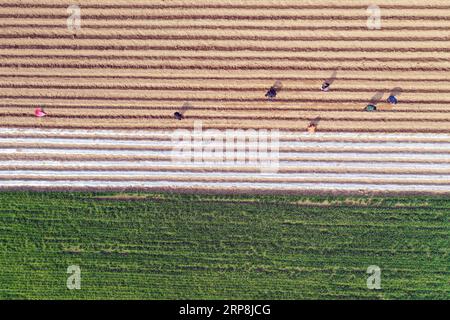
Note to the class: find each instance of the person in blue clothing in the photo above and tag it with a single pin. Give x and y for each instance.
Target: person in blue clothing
(394, 94)
(392, 99)
(272, 92)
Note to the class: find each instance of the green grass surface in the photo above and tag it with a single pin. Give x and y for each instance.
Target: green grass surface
(170, 246)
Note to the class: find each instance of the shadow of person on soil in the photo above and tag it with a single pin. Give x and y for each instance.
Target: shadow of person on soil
(315, 121)
(397, 91)
(376, 98)
(372, 106)
(328, 82)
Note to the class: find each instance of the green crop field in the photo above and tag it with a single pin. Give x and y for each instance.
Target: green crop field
(174, 246)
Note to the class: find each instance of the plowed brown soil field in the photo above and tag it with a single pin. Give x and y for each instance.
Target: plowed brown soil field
(133, 64)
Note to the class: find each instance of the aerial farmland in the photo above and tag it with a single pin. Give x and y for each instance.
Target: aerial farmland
(214, 143)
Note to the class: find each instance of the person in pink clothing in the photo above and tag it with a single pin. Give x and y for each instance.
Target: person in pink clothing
(39, 112)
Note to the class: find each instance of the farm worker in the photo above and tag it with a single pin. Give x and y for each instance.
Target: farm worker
(312, 128)
(178, 115)
(325, 86)
(271, 93)
(371, 107)
(392, 99)
(328, 82)
(39, 112)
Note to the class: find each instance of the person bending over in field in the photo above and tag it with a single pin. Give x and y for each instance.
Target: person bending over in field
(372, 106)
(393, 95)
(392, 100)
(179, 115)
(312, 127)
(272, 92)
(325, 86)
(327, 83)
(39, 112)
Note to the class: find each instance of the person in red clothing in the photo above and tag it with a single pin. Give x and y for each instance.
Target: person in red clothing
(39, 112)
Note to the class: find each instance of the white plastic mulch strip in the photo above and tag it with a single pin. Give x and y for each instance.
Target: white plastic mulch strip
(282, 144)
(168, 134)
(417, 162)
(337, 156)
(222, 165)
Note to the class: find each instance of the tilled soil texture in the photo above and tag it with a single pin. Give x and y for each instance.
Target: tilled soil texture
(132, 65)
